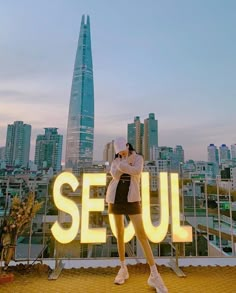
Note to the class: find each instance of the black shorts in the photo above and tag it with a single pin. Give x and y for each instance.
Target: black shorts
(121, 206)
(126, 208)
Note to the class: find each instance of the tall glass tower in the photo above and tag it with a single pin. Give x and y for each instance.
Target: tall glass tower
(48, 149)
(150, 139)
(135, 134)
(213, 153)
(80, 127)
(18, 144)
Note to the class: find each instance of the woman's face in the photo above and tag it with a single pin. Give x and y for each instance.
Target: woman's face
(124, 153)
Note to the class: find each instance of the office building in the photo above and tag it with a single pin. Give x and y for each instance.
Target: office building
(109, 152)
(18, 144)
(150, 138)
(213, 154)
(179, 154)
(135, 134)
(48, 150)
(233, 151)
(2, 153)
(224, 153)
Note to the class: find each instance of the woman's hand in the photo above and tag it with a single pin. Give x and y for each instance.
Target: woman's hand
(131, 159)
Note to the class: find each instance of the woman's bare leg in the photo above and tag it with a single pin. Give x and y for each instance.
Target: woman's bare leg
(123, 274)
(119, 223)
(142, 237)
(154, 279)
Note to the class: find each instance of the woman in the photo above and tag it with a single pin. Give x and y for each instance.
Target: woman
(123, 197)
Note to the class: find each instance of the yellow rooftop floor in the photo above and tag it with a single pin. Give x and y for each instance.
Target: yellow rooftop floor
(198, 279)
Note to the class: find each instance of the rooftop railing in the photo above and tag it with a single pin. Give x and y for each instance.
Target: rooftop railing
(204, 205)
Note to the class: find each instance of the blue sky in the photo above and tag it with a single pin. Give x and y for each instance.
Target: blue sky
(176, 59)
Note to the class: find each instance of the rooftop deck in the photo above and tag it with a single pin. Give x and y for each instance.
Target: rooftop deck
(204, 279)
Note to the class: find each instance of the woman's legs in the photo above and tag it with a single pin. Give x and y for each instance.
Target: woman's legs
(140, 233)
(119, 222)
(154, 279)
(123, 272)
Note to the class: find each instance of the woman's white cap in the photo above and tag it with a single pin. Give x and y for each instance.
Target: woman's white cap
(120, 144)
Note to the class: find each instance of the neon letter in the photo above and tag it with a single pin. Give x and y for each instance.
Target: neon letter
(128, 231)
(179, 233)
(66, 205)
(93, 235)
(155, 233)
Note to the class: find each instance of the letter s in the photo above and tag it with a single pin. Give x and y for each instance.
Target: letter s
(66, 205)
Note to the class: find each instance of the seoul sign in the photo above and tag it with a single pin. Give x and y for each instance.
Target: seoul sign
(169, 210)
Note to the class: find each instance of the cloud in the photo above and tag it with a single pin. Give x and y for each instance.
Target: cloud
(9, 93)
(9, 96)
(35, 92)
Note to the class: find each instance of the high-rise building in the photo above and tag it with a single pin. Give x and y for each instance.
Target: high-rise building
(165, 159)
(213, 154)
(233, 151)
(48, 150)
(179, 153)
(150, 138)
(135, 134)
(109, 152)
(2, 153)
(224, 153)
(205, 170)
(165, 153)
(80, 127)
(154, 153)
(178, 159)
(18, 144)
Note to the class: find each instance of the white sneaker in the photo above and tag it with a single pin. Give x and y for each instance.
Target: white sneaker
(157, 283)
(122, 276)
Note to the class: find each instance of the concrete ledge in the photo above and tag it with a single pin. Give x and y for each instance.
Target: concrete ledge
(113, 262)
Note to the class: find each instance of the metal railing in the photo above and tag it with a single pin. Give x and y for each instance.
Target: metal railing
(210, 215)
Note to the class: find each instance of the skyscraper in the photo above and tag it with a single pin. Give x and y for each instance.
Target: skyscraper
(135, 134)
(80, 127)
(213, 154)
(179, 154)
(233, 151)
(165, 153)
(18, 144)
(48, 149)
(2, 153)
(109, 152)
(224, 153)
(213, 157)
(150, 138)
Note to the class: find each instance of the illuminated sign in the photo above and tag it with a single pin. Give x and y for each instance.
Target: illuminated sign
(66, 205)
(169, 210)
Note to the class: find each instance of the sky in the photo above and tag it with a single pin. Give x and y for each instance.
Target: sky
(173, 58)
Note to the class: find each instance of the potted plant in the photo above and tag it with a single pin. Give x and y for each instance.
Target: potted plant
(21, 213)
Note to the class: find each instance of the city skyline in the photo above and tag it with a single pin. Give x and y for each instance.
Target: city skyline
(178, 58)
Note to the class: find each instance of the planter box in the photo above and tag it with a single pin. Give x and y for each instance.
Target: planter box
(6, 278)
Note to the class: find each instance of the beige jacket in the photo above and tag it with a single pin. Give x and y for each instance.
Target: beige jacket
(134, 168)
